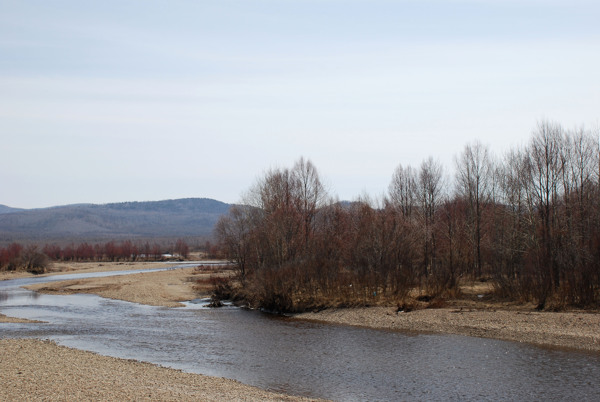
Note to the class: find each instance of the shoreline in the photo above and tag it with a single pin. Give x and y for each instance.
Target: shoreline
(66, 268)
(42, 370)
(569, 330)
(13, 320)
(163, 288)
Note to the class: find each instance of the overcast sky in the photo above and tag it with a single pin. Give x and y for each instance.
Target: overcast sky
(110, 101)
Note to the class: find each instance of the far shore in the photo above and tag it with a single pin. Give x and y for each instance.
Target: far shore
(64, 268)
(162, 288)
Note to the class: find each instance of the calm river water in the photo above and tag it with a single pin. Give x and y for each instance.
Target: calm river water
(302, 358)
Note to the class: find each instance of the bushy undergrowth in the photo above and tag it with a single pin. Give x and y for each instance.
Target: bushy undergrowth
(18, 258)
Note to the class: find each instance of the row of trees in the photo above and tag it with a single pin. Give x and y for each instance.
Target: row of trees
(113, 251)
(529, 221)
(31, 258)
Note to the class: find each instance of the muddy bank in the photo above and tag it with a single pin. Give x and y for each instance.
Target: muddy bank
(577, 330)
(38, 370)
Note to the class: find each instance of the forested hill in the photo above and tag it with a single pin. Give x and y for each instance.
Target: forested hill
(170, 218)
(6, 210)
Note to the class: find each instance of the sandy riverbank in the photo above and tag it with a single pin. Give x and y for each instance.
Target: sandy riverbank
(163, 288)
(577, 330)
(477, 312)
(63, 268)
(36, 370)
(4, 318)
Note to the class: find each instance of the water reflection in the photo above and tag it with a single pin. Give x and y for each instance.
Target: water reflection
(305, 358)
(23, 296)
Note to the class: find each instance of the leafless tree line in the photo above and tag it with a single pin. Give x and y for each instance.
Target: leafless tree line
(34, 259)
(529, 221)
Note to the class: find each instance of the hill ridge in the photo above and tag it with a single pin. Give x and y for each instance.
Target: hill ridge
(182, 217)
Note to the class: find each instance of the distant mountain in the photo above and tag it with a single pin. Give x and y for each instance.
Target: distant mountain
(7, 210)
(170, 218)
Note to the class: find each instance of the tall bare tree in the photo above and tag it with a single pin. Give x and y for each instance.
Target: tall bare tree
(430, 193)
(545, 168)
(234, 231)
(474, 180)
(403, 190)
(309, 194)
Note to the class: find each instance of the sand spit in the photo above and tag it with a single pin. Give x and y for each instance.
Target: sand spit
(14, 320)
(63, 268)
(162, 288)
(576, 330)
(36, 370)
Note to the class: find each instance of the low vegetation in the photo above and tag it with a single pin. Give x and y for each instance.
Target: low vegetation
(16, 257)
(528, 223)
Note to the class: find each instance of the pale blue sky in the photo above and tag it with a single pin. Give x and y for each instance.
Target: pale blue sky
(108, 101)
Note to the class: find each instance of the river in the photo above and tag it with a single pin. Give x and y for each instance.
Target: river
(302, 358)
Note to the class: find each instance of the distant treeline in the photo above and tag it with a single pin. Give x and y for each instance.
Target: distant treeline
(35, 259)
(113, 251)
(529, 221)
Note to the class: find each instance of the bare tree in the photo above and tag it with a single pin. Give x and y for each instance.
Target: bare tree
(233, 232)
(514, 225)
(309, 194)
(182, 248)
(430, 193)
(545, 168)
(33, 260)
(403, 190)
(474, 180)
